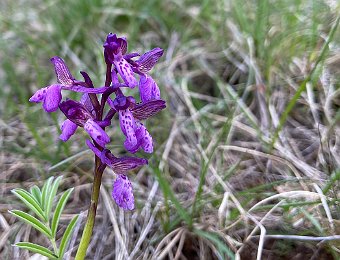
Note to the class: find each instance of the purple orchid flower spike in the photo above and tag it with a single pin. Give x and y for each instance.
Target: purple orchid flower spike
(77, 113)
(114, 50)
(51, 96)
(88, 113)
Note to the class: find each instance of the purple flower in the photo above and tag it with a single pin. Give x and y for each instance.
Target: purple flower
(88, 113)
(145, 110)
(122, 188)
(122, 192)
(148, 60)
(50, 96)
(136, 134)
(118, 165)
(114, 50)
(77, 113)
(148, 88)
(96, 132)
(63, 73)
(68, 128)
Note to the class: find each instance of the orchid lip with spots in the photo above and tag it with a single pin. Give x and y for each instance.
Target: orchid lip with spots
(124, 70)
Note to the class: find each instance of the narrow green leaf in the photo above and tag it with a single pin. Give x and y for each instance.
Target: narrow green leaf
(46, 192)
(51, 196)
(205, 165)
(335, 177)
(29, 201)
(313, 220)
(220, 245)
(58, 210)
(66, 237)
(37, 249)
(35, 191)
(169, 193)
(32, 221)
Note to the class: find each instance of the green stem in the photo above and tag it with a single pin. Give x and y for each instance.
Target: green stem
(87, 233)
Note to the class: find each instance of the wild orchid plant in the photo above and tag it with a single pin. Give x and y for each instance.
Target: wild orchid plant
(91, 113)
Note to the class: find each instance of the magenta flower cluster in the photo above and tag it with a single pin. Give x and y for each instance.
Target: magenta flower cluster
(97, 107)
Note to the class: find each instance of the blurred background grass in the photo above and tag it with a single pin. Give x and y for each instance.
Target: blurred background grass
(230, 70)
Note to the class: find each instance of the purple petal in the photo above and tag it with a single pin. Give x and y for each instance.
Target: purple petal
(86, 101)
(75, 111)
(110, 38)
(131, 55)
(68, 128)
(127, 125)
(149, 59)
(77, 88)
(123, 164)
(114, 46)
(144, 138)
(125, 71)
(103, 123)
(155, 93)
(94, 149)
(122, 102)
(122, 45)
(52, 98)
(145, 87)
(63, 73)
(114, 77)
(87, 79)
(122, 193)
(96, 132)
(110, 115)
(38, 96)
(148, 88)
(148, 109)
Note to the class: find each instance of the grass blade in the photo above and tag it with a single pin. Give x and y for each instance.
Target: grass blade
(169, 193)
(260, 27)
(29, 201)
(303, 85)
(222, 248)
(37, 249)
(205, 166)
(66, 237)
(59, 209)
(32, 221)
